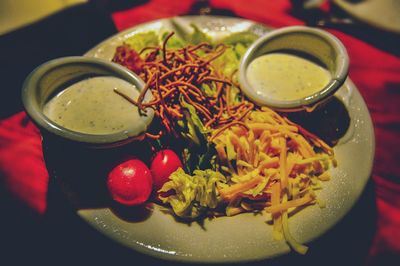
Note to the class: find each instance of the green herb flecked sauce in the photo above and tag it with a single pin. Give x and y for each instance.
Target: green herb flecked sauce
(91, 106)
(282, 76)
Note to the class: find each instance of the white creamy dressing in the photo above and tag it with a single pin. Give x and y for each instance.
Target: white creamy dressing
(282, 76)
(91, 106)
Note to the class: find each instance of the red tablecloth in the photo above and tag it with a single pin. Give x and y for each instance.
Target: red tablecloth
(375, 72)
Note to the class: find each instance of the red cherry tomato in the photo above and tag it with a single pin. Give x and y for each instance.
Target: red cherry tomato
(130, 183)
(163, 165)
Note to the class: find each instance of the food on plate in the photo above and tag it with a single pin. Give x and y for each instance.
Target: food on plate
(268, 75)
(236, 156)
(164, 163)
(274, 165)
(130, 183)
(187, 86)
(193, 194)
(91, 106)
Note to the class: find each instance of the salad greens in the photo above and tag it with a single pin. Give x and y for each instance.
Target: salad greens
(195, 37)
(195, 185)
(236, 157)
(193, 194)
(143, 39)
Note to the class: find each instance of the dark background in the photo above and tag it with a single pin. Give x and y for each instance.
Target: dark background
(59, 236)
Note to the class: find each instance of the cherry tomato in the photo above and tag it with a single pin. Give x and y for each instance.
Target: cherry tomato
(130, 183)
(163, 165)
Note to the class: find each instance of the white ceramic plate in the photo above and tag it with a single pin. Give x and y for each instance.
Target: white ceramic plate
(381, 14)
(245, 237)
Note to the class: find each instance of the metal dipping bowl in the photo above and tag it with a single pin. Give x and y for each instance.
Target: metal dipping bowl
(53, 76)
(310, 42)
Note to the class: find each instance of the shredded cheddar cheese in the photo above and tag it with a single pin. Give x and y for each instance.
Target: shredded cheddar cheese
(274, 165)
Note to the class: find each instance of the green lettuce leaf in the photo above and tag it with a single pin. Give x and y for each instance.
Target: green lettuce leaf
(198, 36)
(245, 38)
(174, 42)
(228, 62)
(195, 37)
(196, 130)
(142, 40)
(193, 194)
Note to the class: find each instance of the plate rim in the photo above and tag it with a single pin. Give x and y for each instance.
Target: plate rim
(160, 255)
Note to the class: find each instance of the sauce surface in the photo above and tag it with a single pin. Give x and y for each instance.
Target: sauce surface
(91, 106)
(282, 76)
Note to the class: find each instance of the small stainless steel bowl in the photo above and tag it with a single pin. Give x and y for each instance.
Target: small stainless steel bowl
(312, 42)
(56, 75)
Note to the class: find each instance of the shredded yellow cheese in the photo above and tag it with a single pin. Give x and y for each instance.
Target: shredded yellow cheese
(274, 165)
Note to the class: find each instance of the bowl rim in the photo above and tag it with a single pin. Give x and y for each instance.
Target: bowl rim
(35, 112)
(311, 101)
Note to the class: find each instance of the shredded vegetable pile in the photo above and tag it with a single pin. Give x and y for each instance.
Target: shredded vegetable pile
(182, 76)
(238, 157)
(273, 168)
